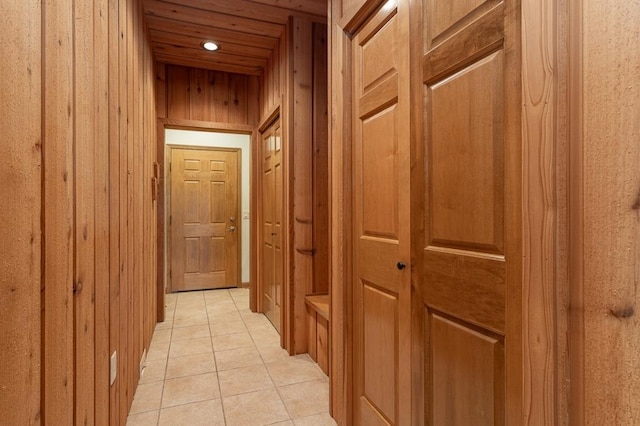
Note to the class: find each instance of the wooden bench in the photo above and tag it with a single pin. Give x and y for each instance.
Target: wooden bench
(318, 320)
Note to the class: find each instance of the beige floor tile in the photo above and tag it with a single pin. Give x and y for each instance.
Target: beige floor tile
(224, 317)
(233, 327)
(216, 296)
(219, 310)
(150, 418)
(192, 332)
(158, 350)
(161, 336)
(191, 365)
(242, 302)
(190, 347)
(154, 371)
(147, 397)
(285, 423)
(256, 322)
(204, 413)
(306, 398)
(226, 342)
(294, 370)
(323, 419)
(265, 336)
(190, 314)
(186, 296)
(246, 312)
(185, 390)
(167, 324)
(190, 322)
(255, 408)
(236, 358)
(244, 380)
(273, 353)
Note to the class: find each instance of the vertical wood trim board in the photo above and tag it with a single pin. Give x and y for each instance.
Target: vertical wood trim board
(58, 214)
(539, 92)
(610, 211)
(575, 261)
(300, 145)
(20, 220)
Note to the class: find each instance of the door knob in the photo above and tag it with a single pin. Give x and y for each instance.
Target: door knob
(232, 228)
(401, 266)
(232, 219)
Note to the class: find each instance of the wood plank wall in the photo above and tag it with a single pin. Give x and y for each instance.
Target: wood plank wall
(20, 226)
(295, 80)
(604, 190)
(78, 278)
(203, 95)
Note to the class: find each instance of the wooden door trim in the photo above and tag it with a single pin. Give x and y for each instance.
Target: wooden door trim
(263, 126)
(162, 159)
(340, 223)
(267, 122)
(170, 148)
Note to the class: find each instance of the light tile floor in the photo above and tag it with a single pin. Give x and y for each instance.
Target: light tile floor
(214, 362)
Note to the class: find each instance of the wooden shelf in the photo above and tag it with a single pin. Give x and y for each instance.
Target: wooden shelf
(319, 303)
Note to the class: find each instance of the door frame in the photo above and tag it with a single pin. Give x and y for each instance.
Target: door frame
(162, 161)
(168, 157)
(286, 325)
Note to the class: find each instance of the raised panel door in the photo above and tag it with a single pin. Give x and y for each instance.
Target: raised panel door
(470, 279)
(204, 207)
(381, 292)
(272, 260)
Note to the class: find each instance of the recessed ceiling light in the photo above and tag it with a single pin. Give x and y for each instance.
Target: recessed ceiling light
(210, 46)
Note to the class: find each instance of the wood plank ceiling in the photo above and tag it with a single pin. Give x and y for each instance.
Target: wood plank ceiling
(246, 30)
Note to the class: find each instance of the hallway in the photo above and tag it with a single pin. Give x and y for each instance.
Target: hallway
(214, 362)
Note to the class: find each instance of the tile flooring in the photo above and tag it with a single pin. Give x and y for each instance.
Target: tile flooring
(214, 362)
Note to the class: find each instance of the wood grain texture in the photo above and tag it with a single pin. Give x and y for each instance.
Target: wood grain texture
(245, 30)
(610, 154)
(575, 212)
(320, 157)
(301, 144)
(114, 201)
(340, 218)
(539, 120)
(21, 197)
(102, 210)
(58, 186)
(90, 71)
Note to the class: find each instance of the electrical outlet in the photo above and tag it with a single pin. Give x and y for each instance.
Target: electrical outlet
(114, 366)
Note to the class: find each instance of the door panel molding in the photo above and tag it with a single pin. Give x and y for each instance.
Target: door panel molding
(199, 223)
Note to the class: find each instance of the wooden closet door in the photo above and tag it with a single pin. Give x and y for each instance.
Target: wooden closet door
(471, 281)
(272, 268)
(381, 293)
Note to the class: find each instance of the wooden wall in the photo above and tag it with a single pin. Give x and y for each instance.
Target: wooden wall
(604, 212)
(203, 95)
(20, 225)
(81, 266)
(295, 81)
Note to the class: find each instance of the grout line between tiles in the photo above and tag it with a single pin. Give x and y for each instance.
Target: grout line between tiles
(215, 360)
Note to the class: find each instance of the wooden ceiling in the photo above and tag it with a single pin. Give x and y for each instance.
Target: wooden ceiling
(246, 30)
